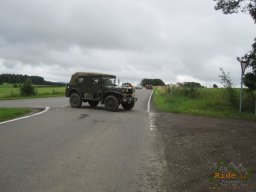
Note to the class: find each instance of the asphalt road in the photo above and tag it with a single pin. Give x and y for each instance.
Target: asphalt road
(85, 149)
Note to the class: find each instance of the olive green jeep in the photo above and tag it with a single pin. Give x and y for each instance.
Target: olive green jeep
(96, 88)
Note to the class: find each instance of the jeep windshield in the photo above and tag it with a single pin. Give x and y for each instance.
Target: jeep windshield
(109, 81)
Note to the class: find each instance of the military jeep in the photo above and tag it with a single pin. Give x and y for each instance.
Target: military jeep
(96, 88)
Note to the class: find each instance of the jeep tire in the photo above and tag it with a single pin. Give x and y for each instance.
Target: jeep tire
(93, 103)
(75, 100)
(128, 106)
(111, 103)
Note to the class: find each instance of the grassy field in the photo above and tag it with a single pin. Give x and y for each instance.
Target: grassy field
(203, 101)
(11, 92)
(10, 113)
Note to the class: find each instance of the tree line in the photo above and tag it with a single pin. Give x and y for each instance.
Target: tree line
(153, 82)
(19, 79)
(190, 85)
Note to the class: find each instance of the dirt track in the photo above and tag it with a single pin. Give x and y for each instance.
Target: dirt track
(193, 144)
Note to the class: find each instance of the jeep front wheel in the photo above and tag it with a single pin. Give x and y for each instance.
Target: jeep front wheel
(111, 103)
(93, 103)
(128, 106)
(75, 100)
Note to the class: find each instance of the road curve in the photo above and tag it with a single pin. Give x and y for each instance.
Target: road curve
(85, 149)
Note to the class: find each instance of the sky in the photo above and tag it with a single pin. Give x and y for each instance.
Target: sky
(174, 40)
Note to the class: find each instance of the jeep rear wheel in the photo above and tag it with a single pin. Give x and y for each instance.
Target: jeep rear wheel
(93, 103)
(75, 100)
(111, 103)
(128, 106)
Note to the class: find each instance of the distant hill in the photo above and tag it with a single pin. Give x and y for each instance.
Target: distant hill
(18, 79)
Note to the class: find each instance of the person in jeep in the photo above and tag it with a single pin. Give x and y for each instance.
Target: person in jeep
(96, 88)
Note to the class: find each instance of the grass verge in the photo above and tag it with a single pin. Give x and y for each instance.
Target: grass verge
(10, 113)
(210, 103)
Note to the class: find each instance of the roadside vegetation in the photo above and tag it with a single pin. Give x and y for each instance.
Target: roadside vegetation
(10, 91)
(15, 86)
(216, 102)
(152, 82)
(10, 113)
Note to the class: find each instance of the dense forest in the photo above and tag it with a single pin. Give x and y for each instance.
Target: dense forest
(19, 79)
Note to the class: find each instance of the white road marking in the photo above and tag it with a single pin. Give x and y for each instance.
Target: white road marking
(39, 113)
(152, 116)
(149, 100)
(152, 121)
(63, 106)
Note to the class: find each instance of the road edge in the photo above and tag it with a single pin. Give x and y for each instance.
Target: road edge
(149, 101)
(47, 108)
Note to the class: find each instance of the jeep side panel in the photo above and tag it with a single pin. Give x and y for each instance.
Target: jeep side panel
(96, 87)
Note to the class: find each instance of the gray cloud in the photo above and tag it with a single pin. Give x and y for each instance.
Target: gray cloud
(174, 40)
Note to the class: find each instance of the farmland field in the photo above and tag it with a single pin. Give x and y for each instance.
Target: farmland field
(9, 91)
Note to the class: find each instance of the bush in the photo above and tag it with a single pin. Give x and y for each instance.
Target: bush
(227, 82)
(27, 89)
(215, 86)
(185, 91)
(249, 101)
(191, 92)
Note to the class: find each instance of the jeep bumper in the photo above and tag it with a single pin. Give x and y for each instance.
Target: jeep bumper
(129, 99)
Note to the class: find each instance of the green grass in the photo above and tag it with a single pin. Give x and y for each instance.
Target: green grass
(208, 102)
(11, 92)
(8, 90)
(10, 113)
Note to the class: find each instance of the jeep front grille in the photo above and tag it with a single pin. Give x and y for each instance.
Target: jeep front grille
(129, 91)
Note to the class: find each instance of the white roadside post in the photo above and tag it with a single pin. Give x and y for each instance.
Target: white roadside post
(244, 64)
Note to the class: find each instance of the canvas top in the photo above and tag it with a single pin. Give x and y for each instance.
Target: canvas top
(89, 74)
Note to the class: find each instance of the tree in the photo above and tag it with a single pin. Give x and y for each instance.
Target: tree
(250, 58)
(18, 79)
(27, 88)
(191, 84)
(246, 6)
(227, 82)
(234, 6)
(250, 81)
(215, 86)
(153, 82)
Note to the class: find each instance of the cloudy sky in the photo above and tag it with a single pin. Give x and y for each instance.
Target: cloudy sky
(175, 40)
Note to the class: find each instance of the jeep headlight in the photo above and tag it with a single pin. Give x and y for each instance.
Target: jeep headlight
(124, 90)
